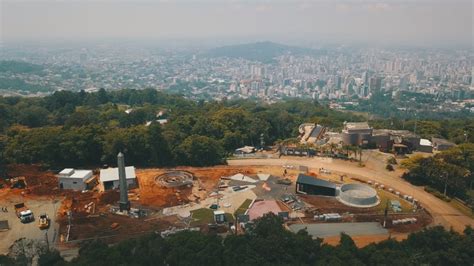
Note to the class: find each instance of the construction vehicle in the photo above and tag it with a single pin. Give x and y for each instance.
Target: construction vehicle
(18, 182)
(43, 222)
(25, 214)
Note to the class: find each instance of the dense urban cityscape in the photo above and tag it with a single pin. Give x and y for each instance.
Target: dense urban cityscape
(340, 75)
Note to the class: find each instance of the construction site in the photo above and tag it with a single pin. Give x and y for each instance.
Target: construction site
(222, 199)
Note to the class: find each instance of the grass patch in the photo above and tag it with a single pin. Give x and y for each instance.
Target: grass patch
(462, 208)
(245, 205)
(437, 194)
(386, 197)
(205, 216)
(229, 217)
(202, 216)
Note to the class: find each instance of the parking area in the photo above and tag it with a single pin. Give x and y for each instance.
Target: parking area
(30, 230)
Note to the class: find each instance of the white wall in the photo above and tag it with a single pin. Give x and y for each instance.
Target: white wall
(72, 183)
(130, 182)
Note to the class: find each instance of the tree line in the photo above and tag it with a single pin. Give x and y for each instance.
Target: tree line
(269, 244)
(450, 171)
(80, 129)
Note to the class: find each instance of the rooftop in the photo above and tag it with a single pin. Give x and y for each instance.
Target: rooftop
(442, 141)
(81, 174)
(72, 173)
(425, 142)
(306, 179)
(67, 171)
(259, 208)
(356, 125)
(111, 174)
(392, 132)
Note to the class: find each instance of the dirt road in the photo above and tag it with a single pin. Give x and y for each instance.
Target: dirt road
(442, 212)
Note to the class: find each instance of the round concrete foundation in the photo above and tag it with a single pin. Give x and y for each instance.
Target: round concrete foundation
(358, 195)
(175, 178)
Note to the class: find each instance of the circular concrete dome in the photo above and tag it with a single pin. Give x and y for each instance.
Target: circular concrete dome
(358, 195)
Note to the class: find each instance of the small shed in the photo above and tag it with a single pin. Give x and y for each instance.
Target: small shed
(306, 184)
(110, 177)
(219, 216)
(425, 146)
(70, 178)
(441, 144)
(245, 150)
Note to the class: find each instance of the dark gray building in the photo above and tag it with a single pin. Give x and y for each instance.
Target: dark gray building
(441, 144)
(356, 133)
(306, 184)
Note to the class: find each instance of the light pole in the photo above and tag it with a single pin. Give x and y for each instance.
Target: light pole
(445, 182)
(416, 120)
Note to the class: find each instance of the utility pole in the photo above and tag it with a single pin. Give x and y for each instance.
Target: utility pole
(47, 240)
(416, 120)
(385, 214)
(445, 183)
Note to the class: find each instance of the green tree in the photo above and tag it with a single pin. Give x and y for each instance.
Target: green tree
(199, 151)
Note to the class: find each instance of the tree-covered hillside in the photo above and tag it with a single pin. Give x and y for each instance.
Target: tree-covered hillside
(80, 129)
(260, 51)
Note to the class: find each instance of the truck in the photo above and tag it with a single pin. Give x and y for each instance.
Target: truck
(43, 221)
(25, 214)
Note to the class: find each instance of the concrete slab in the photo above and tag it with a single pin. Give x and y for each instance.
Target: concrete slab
(241, 177)
(231, 199)
(334, 229)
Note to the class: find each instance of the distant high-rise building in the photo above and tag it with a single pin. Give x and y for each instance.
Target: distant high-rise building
(378, 83)
(83, 58)
(256, 71)
(365, 77)
(472, 76)
(373, 84)
(338, 82)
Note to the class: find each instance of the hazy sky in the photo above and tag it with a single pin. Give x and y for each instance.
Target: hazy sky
(387, 21)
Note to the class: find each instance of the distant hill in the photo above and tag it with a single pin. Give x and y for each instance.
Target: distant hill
(259, 51)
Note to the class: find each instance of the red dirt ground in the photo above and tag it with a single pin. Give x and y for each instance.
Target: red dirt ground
(39, 182)
(152, 195)
(155, 195)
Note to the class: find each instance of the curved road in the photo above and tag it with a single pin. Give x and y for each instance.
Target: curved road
(443, 213)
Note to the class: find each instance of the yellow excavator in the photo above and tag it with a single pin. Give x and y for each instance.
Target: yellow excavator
(43, 221)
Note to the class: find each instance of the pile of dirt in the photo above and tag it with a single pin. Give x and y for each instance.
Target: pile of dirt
(109, 197)
(39, 182)
(112, 228)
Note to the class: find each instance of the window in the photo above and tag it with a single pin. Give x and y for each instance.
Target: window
(74, 182)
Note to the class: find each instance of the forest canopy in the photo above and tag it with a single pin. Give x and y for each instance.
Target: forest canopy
(270, 244)
(81, 129)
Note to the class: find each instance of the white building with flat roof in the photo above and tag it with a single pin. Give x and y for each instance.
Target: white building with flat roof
(110, 177)
(70, 178)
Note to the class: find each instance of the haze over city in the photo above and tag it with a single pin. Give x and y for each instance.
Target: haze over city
(236, 132)
(386, 22)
